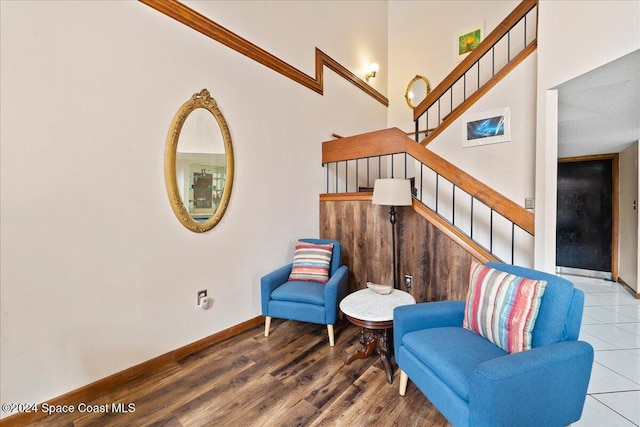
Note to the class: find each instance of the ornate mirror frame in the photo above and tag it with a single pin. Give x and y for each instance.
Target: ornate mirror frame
(198, 100)
(414, 80)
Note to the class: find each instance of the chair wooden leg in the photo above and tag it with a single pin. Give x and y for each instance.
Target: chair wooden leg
(331, 339)
(404, 379)
(267, 325)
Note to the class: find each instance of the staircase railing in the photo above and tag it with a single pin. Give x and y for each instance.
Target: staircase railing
(481, 220)
(504, 48)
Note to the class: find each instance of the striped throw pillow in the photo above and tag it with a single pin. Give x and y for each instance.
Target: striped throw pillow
(502, 307)
(311, 262)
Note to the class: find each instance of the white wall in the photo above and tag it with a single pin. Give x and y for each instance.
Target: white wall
(430, 50)
(423, 37)
(628, 248)
(497, 164)
(97, 273)
(613, 29)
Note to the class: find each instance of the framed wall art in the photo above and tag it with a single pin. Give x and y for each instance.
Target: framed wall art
(487, 127)
(468, 41)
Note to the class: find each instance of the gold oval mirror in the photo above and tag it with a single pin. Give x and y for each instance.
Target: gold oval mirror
(417, 91)
(198, 163)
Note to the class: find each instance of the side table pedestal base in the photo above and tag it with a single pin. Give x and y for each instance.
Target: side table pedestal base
(377, 340)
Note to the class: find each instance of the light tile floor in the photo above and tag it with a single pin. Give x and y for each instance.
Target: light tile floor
(611, 324)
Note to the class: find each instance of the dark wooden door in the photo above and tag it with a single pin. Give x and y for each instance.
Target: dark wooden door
(202, 190)
(585, 215)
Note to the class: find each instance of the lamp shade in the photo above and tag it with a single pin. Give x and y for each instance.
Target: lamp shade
(392, 192)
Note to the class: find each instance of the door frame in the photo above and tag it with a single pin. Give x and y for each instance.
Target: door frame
(615, 196)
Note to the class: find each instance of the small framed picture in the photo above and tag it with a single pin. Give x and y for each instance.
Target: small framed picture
(488, 127)
(469, 41)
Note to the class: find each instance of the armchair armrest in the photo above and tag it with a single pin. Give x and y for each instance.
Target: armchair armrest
(409, 318)
(414, 317)
(334, 291)
(272, 280)
(543, 386)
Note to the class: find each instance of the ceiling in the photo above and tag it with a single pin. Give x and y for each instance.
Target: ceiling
(599, 111)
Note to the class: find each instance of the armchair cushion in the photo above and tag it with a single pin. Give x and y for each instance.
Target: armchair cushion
(454, 359)
(503, 307)
(311, 262)
(307, 292)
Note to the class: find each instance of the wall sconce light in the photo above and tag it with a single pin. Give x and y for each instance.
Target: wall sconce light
(373, 69)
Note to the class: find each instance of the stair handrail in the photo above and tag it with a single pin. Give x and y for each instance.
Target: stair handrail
(485, 46)
(395, 141)
(467, 63)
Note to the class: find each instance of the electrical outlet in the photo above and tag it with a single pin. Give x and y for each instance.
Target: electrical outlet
(201, 294)
(408, 281)
(529, 203)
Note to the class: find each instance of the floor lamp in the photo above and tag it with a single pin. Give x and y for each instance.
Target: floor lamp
(392, 192)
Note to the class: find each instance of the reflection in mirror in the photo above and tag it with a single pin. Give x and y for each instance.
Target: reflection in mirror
(199, 163)
(417, 90)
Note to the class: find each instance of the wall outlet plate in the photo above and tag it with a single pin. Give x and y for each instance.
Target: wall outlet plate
(201, 294)
(408, 281)
(529, 203)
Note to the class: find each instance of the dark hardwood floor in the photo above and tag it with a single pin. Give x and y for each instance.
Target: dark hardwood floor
(291, 378)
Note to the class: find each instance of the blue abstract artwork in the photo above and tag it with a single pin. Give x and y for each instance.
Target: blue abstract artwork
(485, 128)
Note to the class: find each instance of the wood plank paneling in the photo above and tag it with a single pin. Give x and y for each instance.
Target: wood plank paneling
(364, 231)
(440, 267)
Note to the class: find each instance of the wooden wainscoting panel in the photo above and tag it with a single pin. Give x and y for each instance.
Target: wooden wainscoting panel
(440, 267)
(364, 231)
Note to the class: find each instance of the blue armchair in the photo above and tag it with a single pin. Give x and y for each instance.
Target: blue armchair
(473, 382)
(305, 301)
